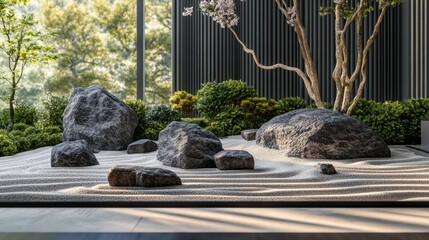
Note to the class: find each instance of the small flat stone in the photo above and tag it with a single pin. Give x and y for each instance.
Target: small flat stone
(142, 146)
(326, 168)
(73, 154)
(249, 134)
(136, 176)
(234, 160)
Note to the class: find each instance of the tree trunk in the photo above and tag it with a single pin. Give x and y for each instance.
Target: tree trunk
(11, 110)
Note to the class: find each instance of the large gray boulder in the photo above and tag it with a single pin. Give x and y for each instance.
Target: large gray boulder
(95, 115)
(73, 154)
(123, 176)
(320, 133)
(186, 145)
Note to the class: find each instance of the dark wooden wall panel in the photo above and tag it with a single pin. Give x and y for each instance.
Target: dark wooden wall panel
(203, 51)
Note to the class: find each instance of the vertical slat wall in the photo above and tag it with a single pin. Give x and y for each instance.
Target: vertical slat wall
(205, 52)
(416, 49)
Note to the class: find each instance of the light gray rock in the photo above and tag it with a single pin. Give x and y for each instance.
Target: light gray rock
(320, 133)
(186, 145)
(73, 154)
(249, 134)
(234, 160)
(142, 146)
(326, 168)
(122, 176)
(95, 115)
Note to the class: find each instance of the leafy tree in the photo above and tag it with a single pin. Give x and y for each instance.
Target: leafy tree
(81, 47)
(158, 51)
(23, 44)
(346, 14)
(117, 19)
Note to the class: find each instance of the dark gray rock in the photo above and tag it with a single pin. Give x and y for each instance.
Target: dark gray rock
(326, 168)
(249, 134)
(234, 160)
(142, 146)
(95, 115)
(122, 176)
(186, 145)
(319, 133)
(73, 154)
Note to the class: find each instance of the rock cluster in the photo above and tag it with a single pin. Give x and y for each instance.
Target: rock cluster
(186, 145)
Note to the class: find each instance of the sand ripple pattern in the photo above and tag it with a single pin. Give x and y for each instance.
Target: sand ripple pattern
(405, 176)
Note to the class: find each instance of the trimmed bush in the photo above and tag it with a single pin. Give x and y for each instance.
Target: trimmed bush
(258, 111)
(24, 113)
(52, 130)
(184, 103)
(20, 127)
(21, 143)
(229, 122)
(141, 111)
(214, 97)
(163, 114)
(53, 111)
(153, 129)
(290, 104)
(7, 146)
(202, 122)
(414, 111)
(383, 118)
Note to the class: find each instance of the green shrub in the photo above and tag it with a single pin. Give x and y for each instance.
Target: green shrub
(38, 140)
(414, 111)
(383, 118)
(20, 127)
(17, 133)
(153, 129)
(24, 113)
(327, 105)
(229, 122)
(21, 143)
(258, 111)
(31, 130)
(141, 111)
(52, 130)
(214, 97)
(53, 111)
(291, 104)
(184, 103)
(54, 139)
(202, 122)
(163, 114)
(7, 146)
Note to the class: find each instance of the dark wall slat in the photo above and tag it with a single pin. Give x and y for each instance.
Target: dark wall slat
(205, 52)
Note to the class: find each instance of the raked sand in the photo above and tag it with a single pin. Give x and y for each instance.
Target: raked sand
(405, 176)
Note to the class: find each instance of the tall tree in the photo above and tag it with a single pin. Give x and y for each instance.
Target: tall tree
(81, 47)
(224, 13)
(158, 51)
(22, 44)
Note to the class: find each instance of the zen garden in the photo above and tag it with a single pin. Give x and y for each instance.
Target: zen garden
(72, 128)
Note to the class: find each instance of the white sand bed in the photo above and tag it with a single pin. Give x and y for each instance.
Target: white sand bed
(405, 176)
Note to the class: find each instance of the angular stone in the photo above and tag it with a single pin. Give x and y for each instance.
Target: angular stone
(122, 176)
(142, 146)
(326, 168)
(186, 145)
(234, 160)
(73, 154)
(320, 133)
(95, 115)
(249, 134)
